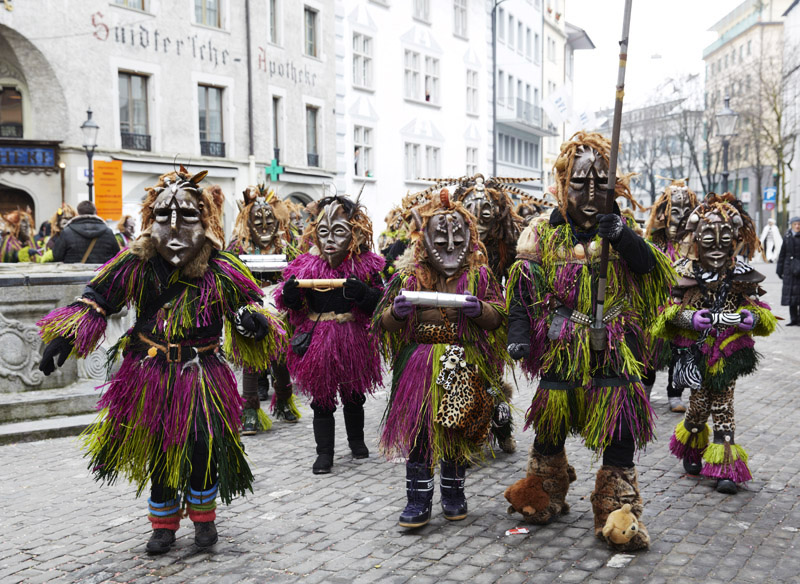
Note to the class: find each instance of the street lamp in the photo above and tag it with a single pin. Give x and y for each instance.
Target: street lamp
(89, 128)
(494, 85)
(726, 129)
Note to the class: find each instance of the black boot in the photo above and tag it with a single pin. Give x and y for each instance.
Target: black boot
(283, 411)
(354, 424)
(160, 541)
(324, 435)
(692, 468)
(205, 534)
(263, 386)
(454, 501)
(419, 490)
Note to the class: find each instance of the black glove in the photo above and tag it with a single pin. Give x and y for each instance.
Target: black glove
(355, 289)
(292, 295)
(255, 323)
(518, 350)
(610, 227)
(61, 347)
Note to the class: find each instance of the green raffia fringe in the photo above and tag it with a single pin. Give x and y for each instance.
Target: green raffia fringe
(767, 323)
(247, 352)
(698, 440)
(564, 409)
(291, 405)
(716, 454)
(608, 407)
(264, 423)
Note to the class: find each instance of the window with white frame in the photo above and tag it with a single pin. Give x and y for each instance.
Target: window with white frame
(413, 163)
(472, 91)
(460, 17)
(528, 44)
(422, 10)
(135, 4)
(412, 75)
(209, 102)
(501, 87)
(432, 79)
(362, 151)
(501, 25)
(276, 125)
(433, 161)
(207, 12)
(510, 95)
(274, 22)
(551, 50)
(520, 37)
(472, 161)
(132, 104)
(362, 60)
(312, 135)
(311, 34)
(510, 31)
(537, 50)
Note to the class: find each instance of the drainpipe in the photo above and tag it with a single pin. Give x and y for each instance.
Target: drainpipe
(251, 179)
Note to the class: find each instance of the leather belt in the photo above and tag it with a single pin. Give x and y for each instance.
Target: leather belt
(175, 352)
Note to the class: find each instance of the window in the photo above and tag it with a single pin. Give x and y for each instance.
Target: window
(472, 161)
(10, 113)
(749, 46)
(520, 38)
(431, 80)
(273, 22)
(422, 10)
(501, 87)
(528, 44)
(551, 50)
(362, 60)
(460, 17)
(133, 111)
(311, 32)
(510, 95)
(276, 126)
(510, 31)
(362, 151)
(413, 162)
(501, 25)
(741, 53)
(472, 91)
(209, 100)
(207, 12)
(312, 119)
(537, 51)
(412, 74)
(432, 161)
(500, 155)
(137, 4)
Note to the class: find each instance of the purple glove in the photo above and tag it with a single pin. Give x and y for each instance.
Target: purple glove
(748, 322)
(701, 320)
(472, 307)
(402, 306)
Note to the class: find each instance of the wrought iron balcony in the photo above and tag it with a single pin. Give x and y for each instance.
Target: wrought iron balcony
(10, 130)
(135, 141)
(313, 159)
(212, 148)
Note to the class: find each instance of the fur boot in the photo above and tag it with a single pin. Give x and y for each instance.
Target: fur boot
(614, 487)
(541, 496)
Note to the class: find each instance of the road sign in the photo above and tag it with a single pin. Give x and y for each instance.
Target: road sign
(770, 195)
(769, 206)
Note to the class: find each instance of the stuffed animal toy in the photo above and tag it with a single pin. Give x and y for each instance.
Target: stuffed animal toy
(621, 525)
(527, 497)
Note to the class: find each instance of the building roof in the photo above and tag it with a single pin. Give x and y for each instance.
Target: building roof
(792, 5)
(577, 37)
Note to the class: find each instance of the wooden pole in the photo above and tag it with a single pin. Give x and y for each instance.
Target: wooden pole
(599, 337)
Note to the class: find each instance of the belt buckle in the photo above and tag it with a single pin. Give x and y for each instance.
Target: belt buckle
(173, 353)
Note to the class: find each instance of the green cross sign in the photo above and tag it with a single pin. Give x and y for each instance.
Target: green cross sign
(274, 170)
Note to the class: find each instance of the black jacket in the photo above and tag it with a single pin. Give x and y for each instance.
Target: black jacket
(788, 260)
(78, 235)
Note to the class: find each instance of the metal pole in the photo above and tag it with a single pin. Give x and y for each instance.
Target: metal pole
(62, 167)
(598, 332)
(90, 184)
(725, 144)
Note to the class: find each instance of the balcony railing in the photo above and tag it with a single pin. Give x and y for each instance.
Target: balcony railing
(135, 141)
(212, 148)
(10, 130)
(529, 113)
(313, 159)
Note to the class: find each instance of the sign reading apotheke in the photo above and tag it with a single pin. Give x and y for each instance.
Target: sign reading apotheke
(108, 188)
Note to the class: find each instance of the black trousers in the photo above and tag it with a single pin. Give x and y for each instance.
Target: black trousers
(198, 481)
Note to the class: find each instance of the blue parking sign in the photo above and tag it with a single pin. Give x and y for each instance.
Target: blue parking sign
(770, 194)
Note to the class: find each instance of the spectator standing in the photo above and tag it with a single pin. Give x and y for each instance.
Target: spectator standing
(789, 271)
(86, 239)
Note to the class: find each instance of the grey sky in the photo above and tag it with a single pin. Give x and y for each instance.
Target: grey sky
(676, 30)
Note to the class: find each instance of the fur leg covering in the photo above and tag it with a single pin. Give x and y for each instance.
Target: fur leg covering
(614, 487)
(541, 496)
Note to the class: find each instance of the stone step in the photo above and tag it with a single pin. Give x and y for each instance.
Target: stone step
(79, 398)
(56, 427)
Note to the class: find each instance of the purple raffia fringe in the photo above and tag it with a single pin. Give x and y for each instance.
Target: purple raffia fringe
(78, 322)
(343, 357)
(409, 410)
(685, 451)
(738, 472)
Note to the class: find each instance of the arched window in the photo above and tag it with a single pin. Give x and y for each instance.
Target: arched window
(10, 113)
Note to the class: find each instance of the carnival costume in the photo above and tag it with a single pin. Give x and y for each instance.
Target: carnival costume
(125, 231)
(170, 414)
(551, 292)
(666, 229)
(444, 360)
(714, 314)
(339, 358)
(262, 227)
(17, 243)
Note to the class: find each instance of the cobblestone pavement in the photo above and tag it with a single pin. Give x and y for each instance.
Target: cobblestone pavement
(61, 526)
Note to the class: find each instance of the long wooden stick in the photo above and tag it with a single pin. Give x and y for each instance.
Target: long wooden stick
(599, 337)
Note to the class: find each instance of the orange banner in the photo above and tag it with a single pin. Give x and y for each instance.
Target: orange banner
(108, 189)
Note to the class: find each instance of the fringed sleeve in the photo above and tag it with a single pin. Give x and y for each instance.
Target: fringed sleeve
(391, 342)
(527, 319)
(241, 293)
(765, 321)
(83, 322)
(654, 288)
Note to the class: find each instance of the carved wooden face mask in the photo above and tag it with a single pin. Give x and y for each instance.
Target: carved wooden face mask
(262, 224)
(334, 234)
(130, 226)
(586, 190)
(178, 232)
(715, 243)
(680, 210)
(446, 240)
(64, 216)
(480, 205)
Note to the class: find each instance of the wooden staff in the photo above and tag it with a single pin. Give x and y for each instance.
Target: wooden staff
(598, 333)
(321, 285)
